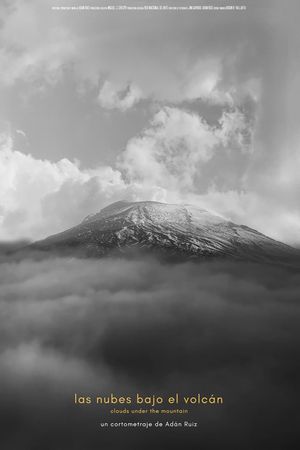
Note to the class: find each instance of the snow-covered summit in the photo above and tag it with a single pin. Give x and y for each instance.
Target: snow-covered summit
(146, 211)
(180, 230)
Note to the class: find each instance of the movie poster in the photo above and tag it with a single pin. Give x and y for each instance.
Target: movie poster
(149, 225)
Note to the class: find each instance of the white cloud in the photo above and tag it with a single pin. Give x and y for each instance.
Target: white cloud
(116, 96)
(201, 81)
(21, 132)
(33, 46)
(171, 153)
(39, 197)
(236, 129)
(39, 43)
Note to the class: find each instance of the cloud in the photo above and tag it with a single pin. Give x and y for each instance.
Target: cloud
(40, 43)
(38, 195)
(113, 96)
(174, 160)
(173, 151)
(22, 133)
(41, 197)
(96, 327)
(33, 45)
(169, 151)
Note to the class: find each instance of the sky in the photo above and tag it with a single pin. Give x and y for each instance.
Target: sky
(198, 107)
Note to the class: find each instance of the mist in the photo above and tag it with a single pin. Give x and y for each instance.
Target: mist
(94, 327)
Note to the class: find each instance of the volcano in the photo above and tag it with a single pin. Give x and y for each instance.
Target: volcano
(171, 230)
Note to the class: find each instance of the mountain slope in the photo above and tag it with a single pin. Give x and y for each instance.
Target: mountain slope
(174, 230)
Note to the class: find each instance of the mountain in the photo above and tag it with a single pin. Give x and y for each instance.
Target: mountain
(170, 230)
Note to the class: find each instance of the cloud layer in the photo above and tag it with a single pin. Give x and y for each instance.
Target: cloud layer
(95, 327)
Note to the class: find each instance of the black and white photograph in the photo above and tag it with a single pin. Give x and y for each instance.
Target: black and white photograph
(149, 225)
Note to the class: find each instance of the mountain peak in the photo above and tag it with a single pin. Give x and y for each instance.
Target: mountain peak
(173, 229)
(143, 211)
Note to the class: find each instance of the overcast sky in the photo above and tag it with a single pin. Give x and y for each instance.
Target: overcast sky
(197, 107)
